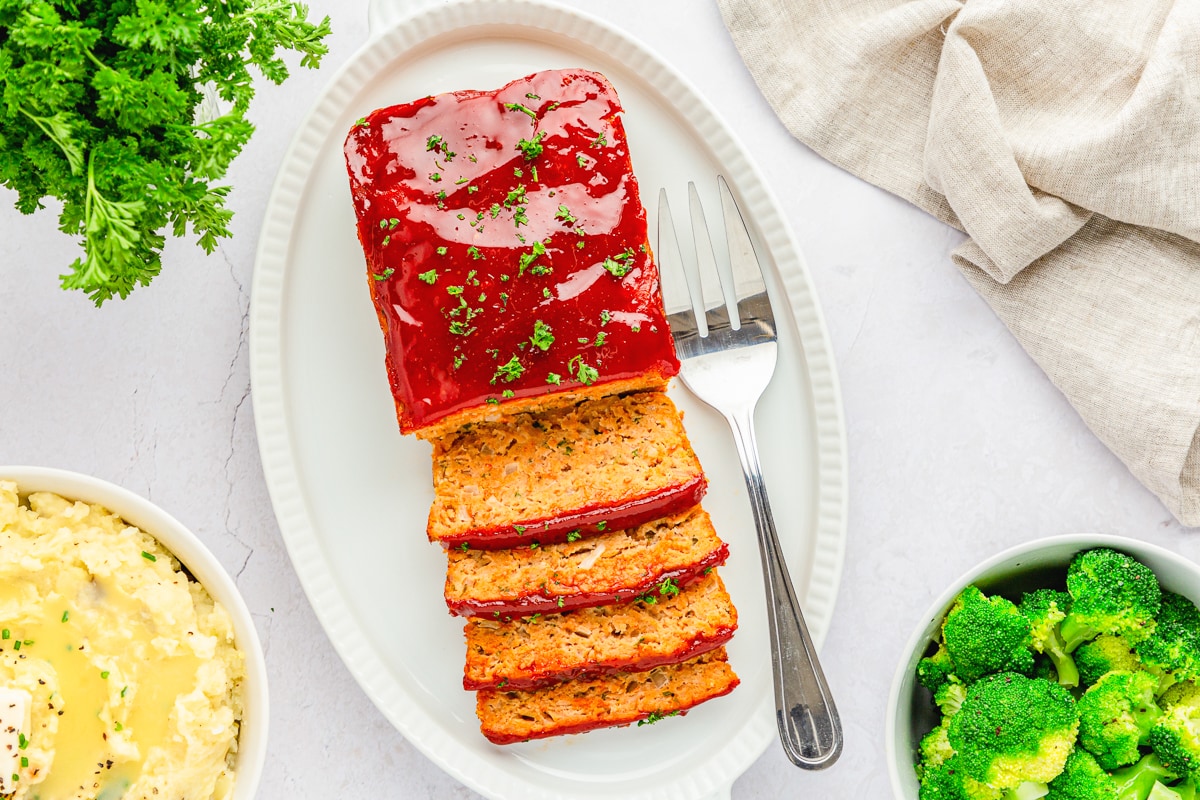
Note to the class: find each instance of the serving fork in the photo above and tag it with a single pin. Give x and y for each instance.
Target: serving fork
(727, 356)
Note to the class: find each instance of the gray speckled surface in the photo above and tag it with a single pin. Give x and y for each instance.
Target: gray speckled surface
(958, 444)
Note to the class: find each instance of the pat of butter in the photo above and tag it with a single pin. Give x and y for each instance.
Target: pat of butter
(14, 726)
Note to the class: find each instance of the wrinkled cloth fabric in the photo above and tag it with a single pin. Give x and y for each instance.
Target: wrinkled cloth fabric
(1064, 139)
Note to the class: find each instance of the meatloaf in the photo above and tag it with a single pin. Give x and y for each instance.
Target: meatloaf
(612, 567)
(563, 474)
(664, 626)
(507, 716)
(506, 250)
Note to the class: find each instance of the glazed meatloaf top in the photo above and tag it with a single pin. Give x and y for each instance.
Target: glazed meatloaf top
(506, 249)
(508, 716)
(664, 627)
(614, 566)
(563, 474)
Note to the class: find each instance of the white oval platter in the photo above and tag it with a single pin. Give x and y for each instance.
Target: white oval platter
(351, 495)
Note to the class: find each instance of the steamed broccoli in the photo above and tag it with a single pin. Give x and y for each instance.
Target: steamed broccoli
(934, 670)
(1176, 737)
(1182, 692)
(1045, 609)
(986, 634)
(1116, 715)
(1104, 654)
(1082, 779)
(1110, 593)
(1173, 650)
(948, 781)
(935, 748)
(1184, 791)
(1012, 730)
(1136, 782)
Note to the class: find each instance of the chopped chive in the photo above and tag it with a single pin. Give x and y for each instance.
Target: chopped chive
(149, 556)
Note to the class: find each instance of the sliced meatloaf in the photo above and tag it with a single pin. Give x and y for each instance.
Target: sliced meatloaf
(608, 568)
(564, 474)
(507, 716)
(665, 627)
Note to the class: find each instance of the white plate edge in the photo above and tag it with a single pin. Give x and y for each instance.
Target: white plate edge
(274, 433)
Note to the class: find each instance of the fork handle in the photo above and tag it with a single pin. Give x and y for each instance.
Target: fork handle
(809, 726)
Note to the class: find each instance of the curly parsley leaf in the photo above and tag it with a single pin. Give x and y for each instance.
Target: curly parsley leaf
(111, 110)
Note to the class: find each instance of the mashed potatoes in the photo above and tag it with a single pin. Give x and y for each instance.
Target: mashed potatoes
(135, 681)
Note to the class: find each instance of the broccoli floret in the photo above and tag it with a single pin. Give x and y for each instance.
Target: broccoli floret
(1013, 729)
(1045, 609)
(949, 697)
(1116, 715)
(1184, 791)
(1082, 779)
(1104, 654)
(1135, 782)
(1110, 593)
(935, 670)
(1182, 692)
(1173, 650)
(948, 781)
(935, 749)
(985, 635)
(1176, 738)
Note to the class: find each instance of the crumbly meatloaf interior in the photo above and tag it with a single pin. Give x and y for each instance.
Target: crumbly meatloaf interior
(534, 468)
(508, 716)
(664, 627)
(588, 572)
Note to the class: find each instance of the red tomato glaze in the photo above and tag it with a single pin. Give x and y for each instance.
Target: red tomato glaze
(506, 245)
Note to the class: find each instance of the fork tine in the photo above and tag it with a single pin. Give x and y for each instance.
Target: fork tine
(741, 250)
(670, 258)
(706, 258)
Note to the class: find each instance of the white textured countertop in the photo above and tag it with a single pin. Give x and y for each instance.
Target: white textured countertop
(958, 444)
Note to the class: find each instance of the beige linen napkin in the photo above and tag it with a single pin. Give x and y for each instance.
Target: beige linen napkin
(1064, 137)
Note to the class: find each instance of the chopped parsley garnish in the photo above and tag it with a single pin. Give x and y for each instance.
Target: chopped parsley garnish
(518, 172)
(465, 546)
(435, 176)
(493, 400)
(531, 148)
(619, 265)
(474, 251)
(454, 290)
(561, 602)
(519, 217)
(66, 616)
(668, 588)
(519, 528)
(554, 378)
(605, 318)
(361, 122)
(581, 160)
(656, 716)
(509, 371)
(533, 173)
(387, 240)
(542, 337)
(430, 277)
(461, 181)
(508, 393)
(707, 570)
(583, 373)
(392, 223)
(546, 292)
(532, 96)
(458, 361)
(523, 109)
(149, 556)
(515, 196)
(535, 546)
(573, 536)
(564, 214)
(387, 273)
(600, 337)
(104, 674)
(602, 525)
(460, 328)
(600, 141)
(495, 210)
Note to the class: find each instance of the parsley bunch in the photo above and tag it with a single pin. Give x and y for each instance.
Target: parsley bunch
(101, 107)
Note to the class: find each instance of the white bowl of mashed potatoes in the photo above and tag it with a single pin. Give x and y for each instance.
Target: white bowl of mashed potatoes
(129, 664)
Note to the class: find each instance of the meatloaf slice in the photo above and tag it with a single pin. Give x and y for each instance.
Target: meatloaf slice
(611, 567)
(564, 474)
(653, 631)
(507, 716)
